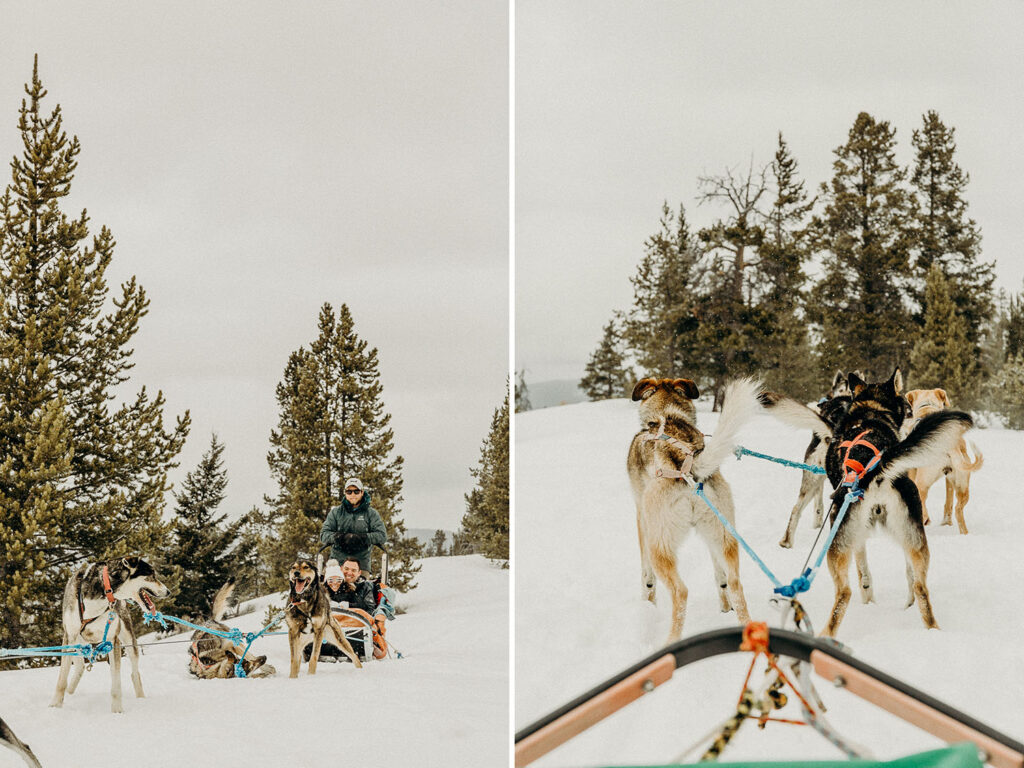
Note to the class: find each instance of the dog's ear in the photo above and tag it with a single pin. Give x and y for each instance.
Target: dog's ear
(856, 383)
(131, 563)
(943, 397)
(643, 387)
(686, 387)
(911, 396)
(896, 380)
(838, 379)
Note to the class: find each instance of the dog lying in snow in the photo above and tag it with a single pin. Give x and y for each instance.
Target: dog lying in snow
(212, 656)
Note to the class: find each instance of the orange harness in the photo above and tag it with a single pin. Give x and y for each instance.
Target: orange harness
(854, 470)
(108, 592)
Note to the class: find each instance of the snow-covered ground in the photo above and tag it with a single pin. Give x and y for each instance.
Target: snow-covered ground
(579, 618)
(444, 704)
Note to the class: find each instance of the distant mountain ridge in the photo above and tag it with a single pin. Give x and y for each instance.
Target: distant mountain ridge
(545, 394)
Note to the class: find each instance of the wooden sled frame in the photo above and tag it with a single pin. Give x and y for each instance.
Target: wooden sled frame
(828, 660)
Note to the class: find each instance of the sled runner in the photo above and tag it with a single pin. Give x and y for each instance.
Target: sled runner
(985, 744)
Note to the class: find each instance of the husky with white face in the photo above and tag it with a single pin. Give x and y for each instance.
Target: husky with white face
(94, 607)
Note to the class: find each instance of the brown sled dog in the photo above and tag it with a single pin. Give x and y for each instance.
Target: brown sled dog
(309, 612)
(665, 457)
(211, 656)
(958, 465)
(865, 445)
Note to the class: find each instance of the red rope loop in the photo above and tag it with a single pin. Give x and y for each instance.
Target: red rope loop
(755, 637)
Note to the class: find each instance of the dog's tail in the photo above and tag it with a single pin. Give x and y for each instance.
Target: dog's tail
(8, 739)
(930, 442)
(963, 459)
(220, 600)
(795, 414)
(740, 404)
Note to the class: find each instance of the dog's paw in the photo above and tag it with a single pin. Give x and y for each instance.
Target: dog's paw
(786, 544)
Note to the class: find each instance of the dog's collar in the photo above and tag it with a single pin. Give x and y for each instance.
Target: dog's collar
(108, 592)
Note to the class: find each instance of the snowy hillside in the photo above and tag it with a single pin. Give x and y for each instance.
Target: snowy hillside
(444, 704)
(579, 617)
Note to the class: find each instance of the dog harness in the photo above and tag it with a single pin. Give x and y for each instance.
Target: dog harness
(108, 593)
(683, 473)
(853, 469)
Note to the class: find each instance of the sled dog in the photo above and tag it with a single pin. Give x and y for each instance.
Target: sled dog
(309, 612)
(957, 467)
(865, 447)
(95, 595)
(12, 742)
(831, 407)
(665, 457)
(211, 656)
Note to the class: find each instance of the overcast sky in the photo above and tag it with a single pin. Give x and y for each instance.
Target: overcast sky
(256, 160)
(622, 105)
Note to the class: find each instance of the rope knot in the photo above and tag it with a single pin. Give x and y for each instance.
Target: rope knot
(755, 637)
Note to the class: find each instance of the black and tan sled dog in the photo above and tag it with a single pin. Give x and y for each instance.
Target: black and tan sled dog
(665, 458)
(309, 613)
(94, 598)
(865, 447)
(212, 656)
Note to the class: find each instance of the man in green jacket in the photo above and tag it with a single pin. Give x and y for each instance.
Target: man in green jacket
(354, 527)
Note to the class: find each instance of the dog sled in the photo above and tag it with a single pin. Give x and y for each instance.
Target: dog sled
(366, 635)
(972, 743)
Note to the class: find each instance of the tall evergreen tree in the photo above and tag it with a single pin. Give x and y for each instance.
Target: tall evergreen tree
(858, 303)
(333, 426)
(486, 522)
(942, 233)
(786, 346)
(607, 376)
(660, 330)
(943, 355)
(202, 551)
(100, 470)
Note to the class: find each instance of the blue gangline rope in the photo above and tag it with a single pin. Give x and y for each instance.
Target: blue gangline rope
(87, 651)
(740, 452)
(803, 582)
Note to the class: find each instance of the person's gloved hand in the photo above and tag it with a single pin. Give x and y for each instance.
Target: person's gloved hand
(353, 542)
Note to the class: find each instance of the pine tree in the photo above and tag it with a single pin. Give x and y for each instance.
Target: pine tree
(81, 480)
(785, 349)
(437, 543)
(332, 426)
(858, 304)
(522, 392)
(941, 232)
(486, 522)
(607, 376)
(943, 356)
(1008, 391)
(660, 330)
(202, 551)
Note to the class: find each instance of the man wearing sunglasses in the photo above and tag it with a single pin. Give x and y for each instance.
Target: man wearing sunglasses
(353, 528)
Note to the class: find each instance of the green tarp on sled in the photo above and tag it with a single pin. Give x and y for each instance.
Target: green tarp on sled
(957, 756)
